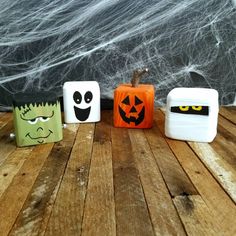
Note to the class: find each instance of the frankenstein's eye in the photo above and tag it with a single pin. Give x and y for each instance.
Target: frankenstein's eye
(184, 108)
(88, 97)
(44, 118)
(33, 121)
(197, 108)
(77, 97)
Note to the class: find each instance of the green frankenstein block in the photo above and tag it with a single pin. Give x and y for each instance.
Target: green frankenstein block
(37, 118)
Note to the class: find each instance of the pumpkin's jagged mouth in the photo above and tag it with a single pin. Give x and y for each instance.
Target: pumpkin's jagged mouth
(136, 118)
(134, 115)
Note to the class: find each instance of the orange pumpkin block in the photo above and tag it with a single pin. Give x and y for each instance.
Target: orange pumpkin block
(134, 104)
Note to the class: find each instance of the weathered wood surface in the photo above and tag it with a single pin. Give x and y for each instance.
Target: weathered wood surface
(101, 180)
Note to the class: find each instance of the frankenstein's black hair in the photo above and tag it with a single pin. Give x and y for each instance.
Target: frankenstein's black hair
(35, 99)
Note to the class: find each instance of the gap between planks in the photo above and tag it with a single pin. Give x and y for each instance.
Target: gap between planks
(219, 203)
(40, 186)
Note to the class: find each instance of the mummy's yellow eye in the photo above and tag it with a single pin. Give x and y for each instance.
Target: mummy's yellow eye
(197, 108)
(184, 108)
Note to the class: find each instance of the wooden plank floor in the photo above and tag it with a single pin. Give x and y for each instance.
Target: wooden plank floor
(102, 180)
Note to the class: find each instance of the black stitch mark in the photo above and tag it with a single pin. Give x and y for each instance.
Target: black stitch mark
(26, 111)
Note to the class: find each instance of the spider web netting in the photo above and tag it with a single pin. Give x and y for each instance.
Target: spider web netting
(184, 43)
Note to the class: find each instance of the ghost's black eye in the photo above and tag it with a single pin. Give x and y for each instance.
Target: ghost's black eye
(77, 97)
(88, 97)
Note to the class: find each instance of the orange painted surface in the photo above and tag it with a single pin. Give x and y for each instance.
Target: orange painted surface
(134, 106)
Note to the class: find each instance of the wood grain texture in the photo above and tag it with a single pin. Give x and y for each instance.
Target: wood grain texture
(226, 124)
(99, 209)
(129, 196)
(103, 128)
(101, 180)
(5, 118)
(99, 212)
(37, 207)
(224, 144)
(7, 125)
(229, 113)
(222, 171)
(174, 175)
(67, 213)
(15, 195)
(11, 166)
(219, 203)
(163, 216)
(196, 216)
(7, 145)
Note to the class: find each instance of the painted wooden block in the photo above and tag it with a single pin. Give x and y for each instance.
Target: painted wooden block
(134, 103)
(81, 101)
(192, 114)
(37, 118)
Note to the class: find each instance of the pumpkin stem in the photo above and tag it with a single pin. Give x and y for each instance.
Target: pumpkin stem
(137, 74)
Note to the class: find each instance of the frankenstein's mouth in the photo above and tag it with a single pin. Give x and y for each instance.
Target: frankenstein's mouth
(40, 137)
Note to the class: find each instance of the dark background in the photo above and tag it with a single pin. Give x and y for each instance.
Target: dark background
(185, 43)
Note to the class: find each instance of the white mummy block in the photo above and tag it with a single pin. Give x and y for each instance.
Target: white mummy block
(192, 114)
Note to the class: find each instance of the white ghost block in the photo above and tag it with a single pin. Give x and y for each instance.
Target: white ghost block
(192, 114)
(81, 101)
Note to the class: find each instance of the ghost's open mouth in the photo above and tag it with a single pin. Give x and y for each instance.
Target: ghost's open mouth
(82, 114)
(40, 139)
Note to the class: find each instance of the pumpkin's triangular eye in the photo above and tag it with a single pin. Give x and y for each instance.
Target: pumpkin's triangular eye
(137, 101)
(126, 101)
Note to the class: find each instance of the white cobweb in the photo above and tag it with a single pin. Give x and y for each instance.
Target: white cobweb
(183, 43)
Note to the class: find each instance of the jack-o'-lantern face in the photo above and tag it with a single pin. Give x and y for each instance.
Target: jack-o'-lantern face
(132, 109)
(134, 103)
